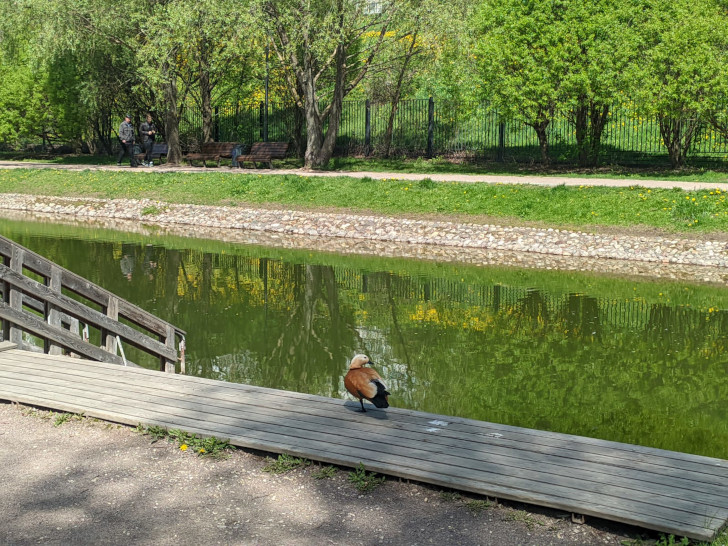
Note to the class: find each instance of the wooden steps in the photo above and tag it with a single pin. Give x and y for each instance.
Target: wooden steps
(681, 494)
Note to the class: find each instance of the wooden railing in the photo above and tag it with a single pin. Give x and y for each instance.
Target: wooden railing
(43, 310)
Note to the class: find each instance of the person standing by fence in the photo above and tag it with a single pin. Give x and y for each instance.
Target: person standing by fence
(147, 130)
(126, 139)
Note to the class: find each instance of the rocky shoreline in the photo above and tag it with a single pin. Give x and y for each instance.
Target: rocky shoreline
(680, 258)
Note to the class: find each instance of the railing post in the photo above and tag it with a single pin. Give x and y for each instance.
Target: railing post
(168, 365)
(16, 296)
(52, 314)
(5, 324)
(430, 127)
(182, 349)
(108, 341)
(367, 128)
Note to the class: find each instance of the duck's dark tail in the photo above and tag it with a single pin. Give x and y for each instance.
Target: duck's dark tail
(380, 399)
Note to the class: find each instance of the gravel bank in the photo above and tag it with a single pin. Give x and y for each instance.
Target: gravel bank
(681, 258)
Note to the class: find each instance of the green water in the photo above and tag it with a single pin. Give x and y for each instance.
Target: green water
(619, 359)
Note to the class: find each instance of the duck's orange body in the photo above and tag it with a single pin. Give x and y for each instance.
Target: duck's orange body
(365, 383)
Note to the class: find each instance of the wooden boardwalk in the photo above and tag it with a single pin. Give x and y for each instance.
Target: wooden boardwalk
(686, 495)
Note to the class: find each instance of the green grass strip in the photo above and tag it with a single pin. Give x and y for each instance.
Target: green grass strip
(560, 206)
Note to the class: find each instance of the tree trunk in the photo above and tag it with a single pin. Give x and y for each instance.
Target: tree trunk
(101, 130)
(171, 119)
(395, 98)
(314, 129)
(599, 117)
(206, 96)
(581, 115)
(320, 147)
(390, 126)
(543, 143)
(299, 120)
(589, 120)
(677, 135)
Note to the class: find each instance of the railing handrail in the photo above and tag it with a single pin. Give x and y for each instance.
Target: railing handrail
(19, 290)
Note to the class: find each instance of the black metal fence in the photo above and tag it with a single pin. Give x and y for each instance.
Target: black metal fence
(474, 131)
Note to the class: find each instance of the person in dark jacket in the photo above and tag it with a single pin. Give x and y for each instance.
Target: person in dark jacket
(126, 139)
(147, 130)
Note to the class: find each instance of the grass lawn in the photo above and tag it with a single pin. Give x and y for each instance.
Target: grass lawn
(583, 207)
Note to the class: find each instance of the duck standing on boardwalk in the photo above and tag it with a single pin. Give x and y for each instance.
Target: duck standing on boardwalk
(364, 382)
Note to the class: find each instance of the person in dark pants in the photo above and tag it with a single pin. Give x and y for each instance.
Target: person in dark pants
(147, 130)
(126, 139)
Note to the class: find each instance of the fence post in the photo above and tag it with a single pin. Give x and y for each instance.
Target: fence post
(265, 122)
(216, 130)
(501, 142)
(261, 120)
(367, 128)
(430, 127)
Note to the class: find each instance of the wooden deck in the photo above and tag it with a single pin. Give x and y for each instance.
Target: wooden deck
(686, 495)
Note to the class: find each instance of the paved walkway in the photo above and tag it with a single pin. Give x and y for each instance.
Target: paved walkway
(466, 178)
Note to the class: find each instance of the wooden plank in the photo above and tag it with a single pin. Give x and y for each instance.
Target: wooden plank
(272, 430)
(206, 395)
(625, 456)
(285, 420)
(261, 420)
(320, 415)
(397, 464)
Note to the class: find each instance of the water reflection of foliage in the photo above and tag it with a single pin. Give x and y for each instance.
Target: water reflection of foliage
(568, 371)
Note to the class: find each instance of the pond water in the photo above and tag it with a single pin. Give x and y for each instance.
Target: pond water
(628, 360)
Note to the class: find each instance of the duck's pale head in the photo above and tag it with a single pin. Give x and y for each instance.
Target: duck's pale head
(358, 361)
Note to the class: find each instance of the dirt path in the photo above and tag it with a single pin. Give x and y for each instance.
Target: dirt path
(89, 482)
(447, 177)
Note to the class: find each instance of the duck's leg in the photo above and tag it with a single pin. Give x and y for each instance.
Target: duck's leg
(361, 401)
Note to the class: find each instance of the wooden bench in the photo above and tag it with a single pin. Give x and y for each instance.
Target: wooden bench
(264, 152)
(212, 151)
(159, 150)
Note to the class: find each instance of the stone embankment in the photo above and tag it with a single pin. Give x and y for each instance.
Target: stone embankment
(694, 259)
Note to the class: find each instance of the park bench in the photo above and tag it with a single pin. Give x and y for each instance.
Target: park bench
(212, 151)
(264, 152)
(159, 150)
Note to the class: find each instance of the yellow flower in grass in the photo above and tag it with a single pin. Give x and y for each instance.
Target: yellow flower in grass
(183, 447)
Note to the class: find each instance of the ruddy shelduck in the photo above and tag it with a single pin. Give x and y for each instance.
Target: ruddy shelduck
(364, 383)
